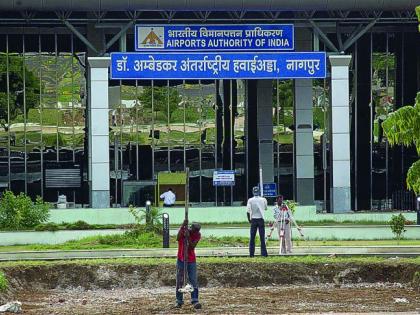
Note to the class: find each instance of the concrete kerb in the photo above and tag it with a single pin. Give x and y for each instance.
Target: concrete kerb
(211, 215)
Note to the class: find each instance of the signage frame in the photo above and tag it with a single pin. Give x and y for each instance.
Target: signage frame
(226, 183)
(137, 49)
(324, 55)
(269, 187)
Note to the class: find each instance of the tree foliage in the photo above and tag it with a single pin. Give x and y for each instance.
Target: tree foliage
(23, 87)
(418, 15)
(19, 212)
(162, 97)
(403, 127)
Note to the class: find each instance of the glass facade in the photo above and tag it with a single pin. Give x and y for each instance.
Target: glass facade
(163, 126)
(383, 72)
(167, 126)
(283, 128)
(42, 90)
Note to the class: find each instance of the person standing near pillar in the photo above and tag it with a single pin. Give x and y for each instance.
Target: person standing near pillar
(284, 219)
(256, 207)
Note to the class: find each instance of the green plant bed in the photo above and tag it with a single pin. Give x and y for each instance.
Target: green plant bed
(135, 239)
(82, 225)
(78, 225)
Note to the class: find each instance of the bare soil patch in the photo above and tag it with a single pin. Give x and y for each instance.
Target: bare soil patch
(235, 288)
(378, 297)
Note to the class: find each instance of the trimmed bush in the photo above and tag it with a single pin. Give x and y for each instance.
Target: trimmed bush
(397, 224)
(19, 212)
(50, 226)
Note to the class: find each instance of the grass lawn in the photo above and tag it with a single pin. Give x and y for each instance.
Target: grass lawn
(82, 225)
(305, 223)
(216, 260)
(150, 240)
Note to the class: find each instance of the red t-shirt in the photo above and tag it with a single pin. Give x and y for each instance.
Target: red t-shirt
(194, 237)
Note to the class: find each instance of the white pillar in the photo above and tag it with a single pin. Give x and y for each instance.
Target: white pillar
(303, 140)
(99, 132)
(340, 134)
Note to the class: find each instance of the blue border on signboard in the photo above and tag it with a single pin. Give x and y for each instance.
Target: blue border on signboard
(270, 190)
(207, 49)
(206, 78)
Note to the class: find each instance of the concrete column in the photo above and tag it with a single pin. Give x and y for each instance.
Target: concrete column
(304, 143)
(340, 193)
(251, 136)
(265, 128)
(99, 132)
(303, 140)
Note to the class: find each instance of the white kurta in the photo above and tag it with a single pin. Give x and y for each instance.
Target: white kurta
(284, 219)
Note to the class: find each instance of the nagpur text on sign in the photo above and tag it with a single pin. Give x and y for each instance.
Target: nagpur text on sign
(169, 66)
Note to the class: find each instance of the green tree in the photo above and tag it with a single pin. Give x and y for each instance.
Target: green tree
(418, 15)
(285, 97)
(14, 97)
(403, 127)
(160, 99)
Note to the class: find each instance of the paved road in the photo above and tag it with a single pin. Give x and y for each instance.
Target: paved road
(386, 251)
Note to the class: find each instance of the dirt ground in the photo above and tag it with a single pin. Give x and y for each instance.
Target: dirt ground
(360, 297)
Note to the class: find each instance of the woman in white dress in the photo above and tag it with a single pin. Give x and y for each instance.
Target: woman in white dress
(284, 218)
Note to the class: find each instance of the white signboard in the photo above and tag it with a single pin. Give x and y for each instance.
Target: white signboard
(224, 178)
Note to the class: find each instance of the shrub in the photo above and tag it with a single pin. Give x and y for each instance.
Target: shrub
(397, 224)
(78, 225)
(10, 216)
(33, 213)
(17, 212)
(152, 220)
(3, 282)
(50, 226)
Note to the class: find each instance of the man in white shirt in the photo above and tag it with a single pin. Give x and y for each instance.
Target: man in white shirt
(168, 198)
(255, 213)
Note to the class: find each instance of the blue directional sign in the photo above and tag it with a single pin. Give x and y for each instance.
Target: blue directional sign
(224, 178)
(223, 65)
(270, 190)
(245, 37)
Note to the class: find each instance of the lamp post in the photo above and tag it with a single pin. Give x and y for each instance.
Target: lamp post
(148, 208)
(165, 230)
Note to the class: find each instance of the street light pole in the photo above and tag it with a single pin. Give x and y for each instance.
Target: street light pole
(148, 208)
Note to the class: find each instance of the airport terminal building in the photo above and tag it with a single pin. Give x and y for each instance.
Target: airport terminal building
(68, 126)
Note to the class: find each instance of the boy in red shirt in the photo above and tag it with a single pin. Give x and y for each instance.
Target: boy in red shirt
(193, 235)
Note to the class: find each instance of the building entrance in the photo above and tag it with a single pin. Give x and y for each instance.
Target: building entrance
(165, 126)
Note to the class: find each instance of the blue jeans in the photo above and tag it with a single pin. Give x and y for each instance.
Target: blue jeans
(192, 276)
(257, 224)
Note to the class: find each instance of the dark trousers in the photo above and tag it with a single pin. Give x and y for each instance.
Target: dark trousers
(192, 277)
(257, 224)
